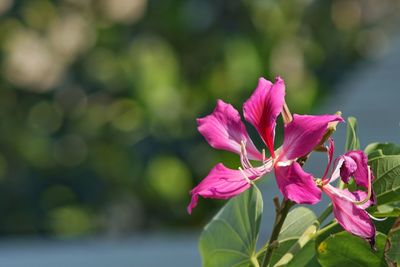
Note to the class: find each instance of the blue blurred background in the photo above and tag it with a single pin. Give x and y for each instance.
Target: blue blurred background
(98, 101)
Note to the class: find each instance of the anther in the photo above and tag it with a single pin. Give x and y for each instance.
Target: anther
(243, 156)
(319, 183)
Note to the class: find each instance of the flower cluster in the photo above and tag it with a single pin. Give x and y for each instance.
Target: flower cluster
(224, 129)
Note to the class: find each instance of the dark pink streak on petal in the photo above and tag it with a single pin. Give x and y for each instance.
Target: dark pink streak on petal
(263, 107)
(354, 219)
(304, 133)
(221, 183)
(297, 185)
(223, 129)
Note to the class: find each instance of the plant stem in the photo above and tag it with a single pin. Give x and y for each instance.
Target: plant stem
(325, 214)
(326, 228)
(279, 219)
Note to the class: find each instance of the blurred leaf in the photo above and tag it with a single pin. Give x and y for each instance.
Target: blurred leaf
(71, 221)
(384, 160)
(352, 141)
(174, 172)
(231, 236)
(346, 250)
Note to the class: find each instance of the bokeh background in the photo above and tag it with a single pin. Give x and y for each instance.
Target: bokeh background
(98, 99)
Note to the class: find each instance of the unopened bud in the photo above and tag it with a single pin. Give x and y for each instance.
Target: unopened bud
(287, 116)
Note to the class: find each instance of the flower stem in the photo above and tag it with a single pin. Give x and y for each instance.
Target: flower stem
(280, 217)
(326, 228)
(325, 214)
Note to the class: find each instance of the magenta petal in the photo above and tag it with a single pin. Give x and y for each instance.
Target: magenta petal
(223, 129)
(297, 185)
(356, 165)
(221, 183)
(354, 219)
(263, 107)
(347, 169)
(304, 133)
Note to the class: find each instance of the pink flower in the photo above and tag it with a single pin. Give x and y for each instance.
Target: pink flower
(349, 207)
(224, 129)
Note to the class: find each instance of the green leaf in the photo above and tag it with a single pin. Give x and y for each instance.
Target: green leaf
(230, 237)
(393, 243)
(281, 250)
(345, 250)
(352, 141)
(297, 221)
(301, 258)
(383, 149)
(384, 160)
(386, 210)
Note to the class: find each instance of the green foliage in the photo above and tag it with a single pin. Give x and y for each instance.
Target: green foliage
(345, 250)
(384, 160)
(352, 141)
(386, 210)
(297, 222)
(393, 244)
(230, 237)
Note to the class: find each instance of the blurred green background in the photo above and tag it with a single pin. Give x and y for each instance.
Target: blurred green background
(98, 98)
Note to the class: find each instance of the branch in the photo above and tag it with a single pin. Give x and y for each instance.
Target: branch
(279, 219)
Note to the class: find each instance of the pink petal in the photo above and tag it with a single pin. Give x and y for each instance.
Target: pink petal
(223, 129)
(263, 107)
(347, 169)
(356, 165)
(221, 183)
(354, 219)
(303, 134)
(297, 185)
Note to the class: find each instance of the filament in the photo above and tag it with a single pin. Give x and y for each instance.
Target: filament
(377, 219)
(245, 176)
(361, 202)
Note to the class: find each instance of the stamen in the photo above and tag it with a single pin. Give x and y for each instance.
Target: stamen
(377, 219)
(263, 156)
(361, 202)
(319, 182)
(245, 176)
(243, 157)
